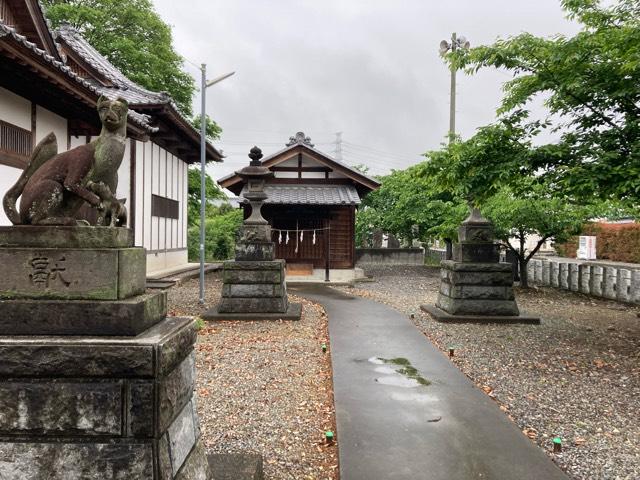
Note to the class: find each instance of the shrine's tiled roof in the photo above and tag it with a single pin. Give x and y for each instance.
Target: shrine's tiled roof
(310, 194)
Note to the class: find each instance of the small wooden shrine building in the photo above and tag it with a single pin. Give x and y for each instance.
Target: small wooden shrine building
(311, 206)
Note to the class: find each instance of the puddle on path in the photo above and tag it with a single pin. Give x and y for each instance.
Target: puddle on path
(385, 370)
(414, 397)
(398, 381)
(400, 373)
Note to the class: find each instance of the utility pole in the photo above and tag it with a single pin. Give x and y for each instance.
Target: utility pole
(338, 150)
(452, 98)
(204, 84)
(444, 48)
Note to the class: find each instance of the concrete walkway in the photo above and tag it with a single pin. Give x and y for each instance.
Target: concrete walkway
(390, 425)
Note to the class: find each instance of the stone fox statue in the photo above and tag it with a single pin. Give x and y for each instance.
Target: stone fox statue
(55, 186)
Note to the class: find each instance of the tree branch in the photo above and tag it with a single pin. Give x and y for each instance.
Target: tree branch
(535, 250)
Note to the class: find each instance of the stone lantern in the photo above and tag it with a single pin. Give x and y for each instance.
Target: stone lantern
(255, 234)
(254, 285)
(475, 286)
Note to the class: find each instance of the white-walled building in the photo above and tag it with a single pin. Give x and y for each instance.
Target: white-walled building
(51, 81)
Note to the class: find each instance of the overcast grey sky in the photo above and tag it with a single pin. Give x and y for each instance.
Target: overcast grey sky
(367, 68)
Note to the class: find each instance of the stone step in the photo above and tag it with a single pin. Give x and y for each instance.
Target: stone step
(299, 269)
(236, 466)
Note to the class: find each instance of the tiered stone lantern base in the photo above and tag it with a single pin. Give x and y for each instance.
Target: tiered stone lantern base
(475, 286)
(95, 381)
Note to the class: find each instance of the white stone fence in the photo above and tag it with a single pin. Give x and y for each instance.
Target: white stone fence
(600, 280)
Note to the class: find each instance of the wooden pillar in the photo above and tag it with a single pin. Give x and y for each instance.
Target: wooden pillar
(353, 236)
(327, 248)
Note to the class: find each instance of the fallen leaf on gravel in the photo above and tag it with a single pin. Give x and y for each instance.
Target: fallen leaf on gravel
(599, 363)
(579, 441)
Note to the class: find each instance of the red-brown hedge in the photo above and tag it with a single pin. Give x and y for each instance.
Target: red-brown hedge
(618, 242)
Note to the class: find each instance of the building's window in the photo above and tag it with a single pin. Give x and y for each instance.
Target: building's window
(164, 207)
(14, 139)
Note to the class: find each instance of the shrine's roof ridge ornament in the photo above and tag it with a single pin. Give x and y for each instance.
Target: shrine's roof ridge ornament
(300, 139)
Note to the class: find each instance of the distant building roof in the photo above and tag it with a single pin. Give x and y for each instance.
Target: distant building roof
(310, 194)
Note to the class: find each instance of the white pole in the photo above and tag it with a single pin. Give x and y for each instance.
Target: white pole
(203, 161)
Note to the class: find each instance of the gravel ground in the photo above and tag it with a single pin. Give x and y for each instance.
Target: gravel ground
(265, 387)
(575, 376)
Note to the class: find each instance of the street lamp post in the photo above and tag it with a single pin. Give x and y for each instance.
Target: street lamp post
(203, 160)
(445, 46)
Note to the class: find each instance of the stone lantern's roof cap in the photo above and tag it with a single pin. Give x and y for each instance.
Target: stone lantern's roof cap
(476, 218)
(255, 170)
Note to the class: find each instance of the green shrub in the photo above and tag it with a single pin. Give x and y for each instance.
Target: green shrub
(200, 323)
(220, 236)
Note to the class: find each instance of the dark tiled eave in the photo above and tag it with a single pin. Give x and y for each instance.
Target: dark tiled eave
(9, 34)
(283, 194)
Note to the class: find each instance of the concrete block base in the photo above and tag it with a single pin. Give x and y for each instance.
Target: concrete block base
(479, 289)
(86, 407)
(442, 316)
(82, 317)
(294, 312)
(254, 287)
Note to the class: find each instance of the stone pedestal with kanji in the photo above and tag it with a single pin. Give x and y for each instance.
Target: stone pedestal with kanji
(475, 286)
(96, 382)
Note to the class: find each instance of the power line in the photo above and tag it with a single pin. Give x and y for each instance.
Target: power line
(378, 162)
(375, 150)
(338, 150)
(378, 156)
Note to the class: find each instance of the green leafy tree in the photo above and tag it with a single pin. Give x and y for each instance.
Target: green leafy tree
(591, 82)
(477, 168)
(132, 36)
(488, 171)
(516, 217)
(211, 129)
(410, 206)
(212, 191)
(220, 235)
